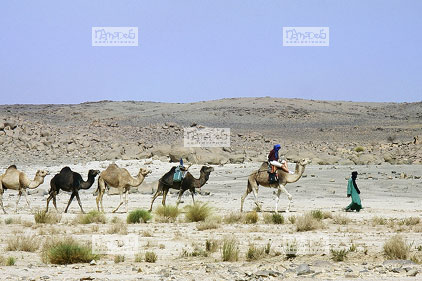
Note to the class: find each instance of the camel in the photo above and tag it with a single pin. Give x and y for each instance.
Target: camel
(70, 181)
(121, 179)
(188, 183)
(17, 180)
(260, 177)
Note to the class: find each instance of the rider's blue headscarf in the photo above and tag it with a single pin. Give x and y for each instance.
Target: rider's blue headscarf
(276, 149)
(181, 162)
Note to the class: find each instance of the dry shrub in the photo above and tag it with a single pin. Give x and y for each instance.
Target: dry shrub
(341, 219)
(338, 255)
(230, 249)
(166, 213)
(211, 245)
(198, 212)
(66, 251)
(307, 222)
(91, 217)
(255, 253)
(396, 248)
(41, 216)
(209, 223)
(151, 257)
(251, 217)
(23, 243)
(138, 216)
(234, 217)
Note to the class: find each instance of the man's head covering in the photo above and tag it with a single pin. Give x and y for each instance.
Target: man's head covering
(181, 162)
(354, 174)
(277, 147)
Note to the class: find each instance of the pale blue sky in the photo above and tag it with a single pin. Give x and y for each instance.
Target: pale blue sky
(201, 50)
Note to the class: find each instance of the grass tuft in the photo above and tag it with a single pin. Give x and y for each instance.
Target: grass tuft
(255, 253)
(307, 222)
(198, 212)
(66, 251)
(41, 216)
(251, 217)
(23, 243)
(138, 216)
(338, 255)
(230, 249)
(396, 248)
(91, 217)
(234, 217)
(150, 257)
(167, 213)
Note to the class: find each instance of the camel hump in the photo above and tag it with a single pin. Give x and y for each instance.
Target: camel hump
(65, 170)
(12, 167)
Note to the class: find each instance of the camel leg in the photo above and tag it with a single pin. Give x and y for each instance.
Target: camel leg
(54, 202)
(26, 198)
(101, 190)
(289, 196)
(1, 198)
(277, 199)
(157, 193)
(17, 201)
(179, 198)
(121, 200)
(126, 201)
(79, 202)
(48, 201)
(70, 201)
(164, 196)
(255, 194)
(193, 198)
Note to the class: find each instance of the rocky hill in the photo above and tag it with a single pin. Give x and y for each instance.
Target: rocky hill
(329, 132)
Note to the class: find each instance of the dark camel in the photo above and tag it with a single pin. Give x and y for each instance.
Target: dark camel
(70, 181)
(188, 183)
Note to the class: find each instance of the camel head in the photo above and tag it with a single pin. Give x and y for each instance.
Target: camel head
(144, 172)
(42, 173)
(305, 161)
(207, 169)
(93, 173)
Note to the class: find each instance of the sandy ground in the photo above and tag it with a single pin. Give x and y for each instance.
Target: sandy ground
(383, 192)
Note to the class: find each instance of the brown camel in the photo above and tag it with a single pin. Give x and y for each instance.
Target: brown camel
(188, 183)
(17, 180)
(260, 177)
(121, 179)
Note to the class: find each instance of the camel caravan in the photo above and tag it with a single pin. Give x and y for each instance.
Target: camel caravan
(270, 174)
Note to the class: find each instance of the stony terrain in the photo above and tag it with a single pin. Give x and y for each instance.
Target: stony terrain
(382, 141)
(327, 132)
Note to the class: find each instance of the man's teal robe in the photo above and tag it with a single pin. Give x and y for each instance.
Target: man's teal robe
(356, 203)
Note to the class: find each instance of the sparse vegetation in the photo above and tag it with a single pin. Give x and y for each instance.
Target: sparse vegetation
(150, 257)
(41, 216)
(230, 249)
(138, 216)
(292, 219)
(396, 248)
(211, 245)
(23, 243)
(66, 251)
(118, 228)
(291, 249)
(10, 261)
(255, 253)
(138, 257)
(341, 219)
(91, 217)
(379, 221)
(166, 213)
(277, 219)
(119, 258)
(234, 217)
(251, 217)
(307, 222)
(209, 223)
(359, 149)
(410, 221)
(198, 212)
(338, 255)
